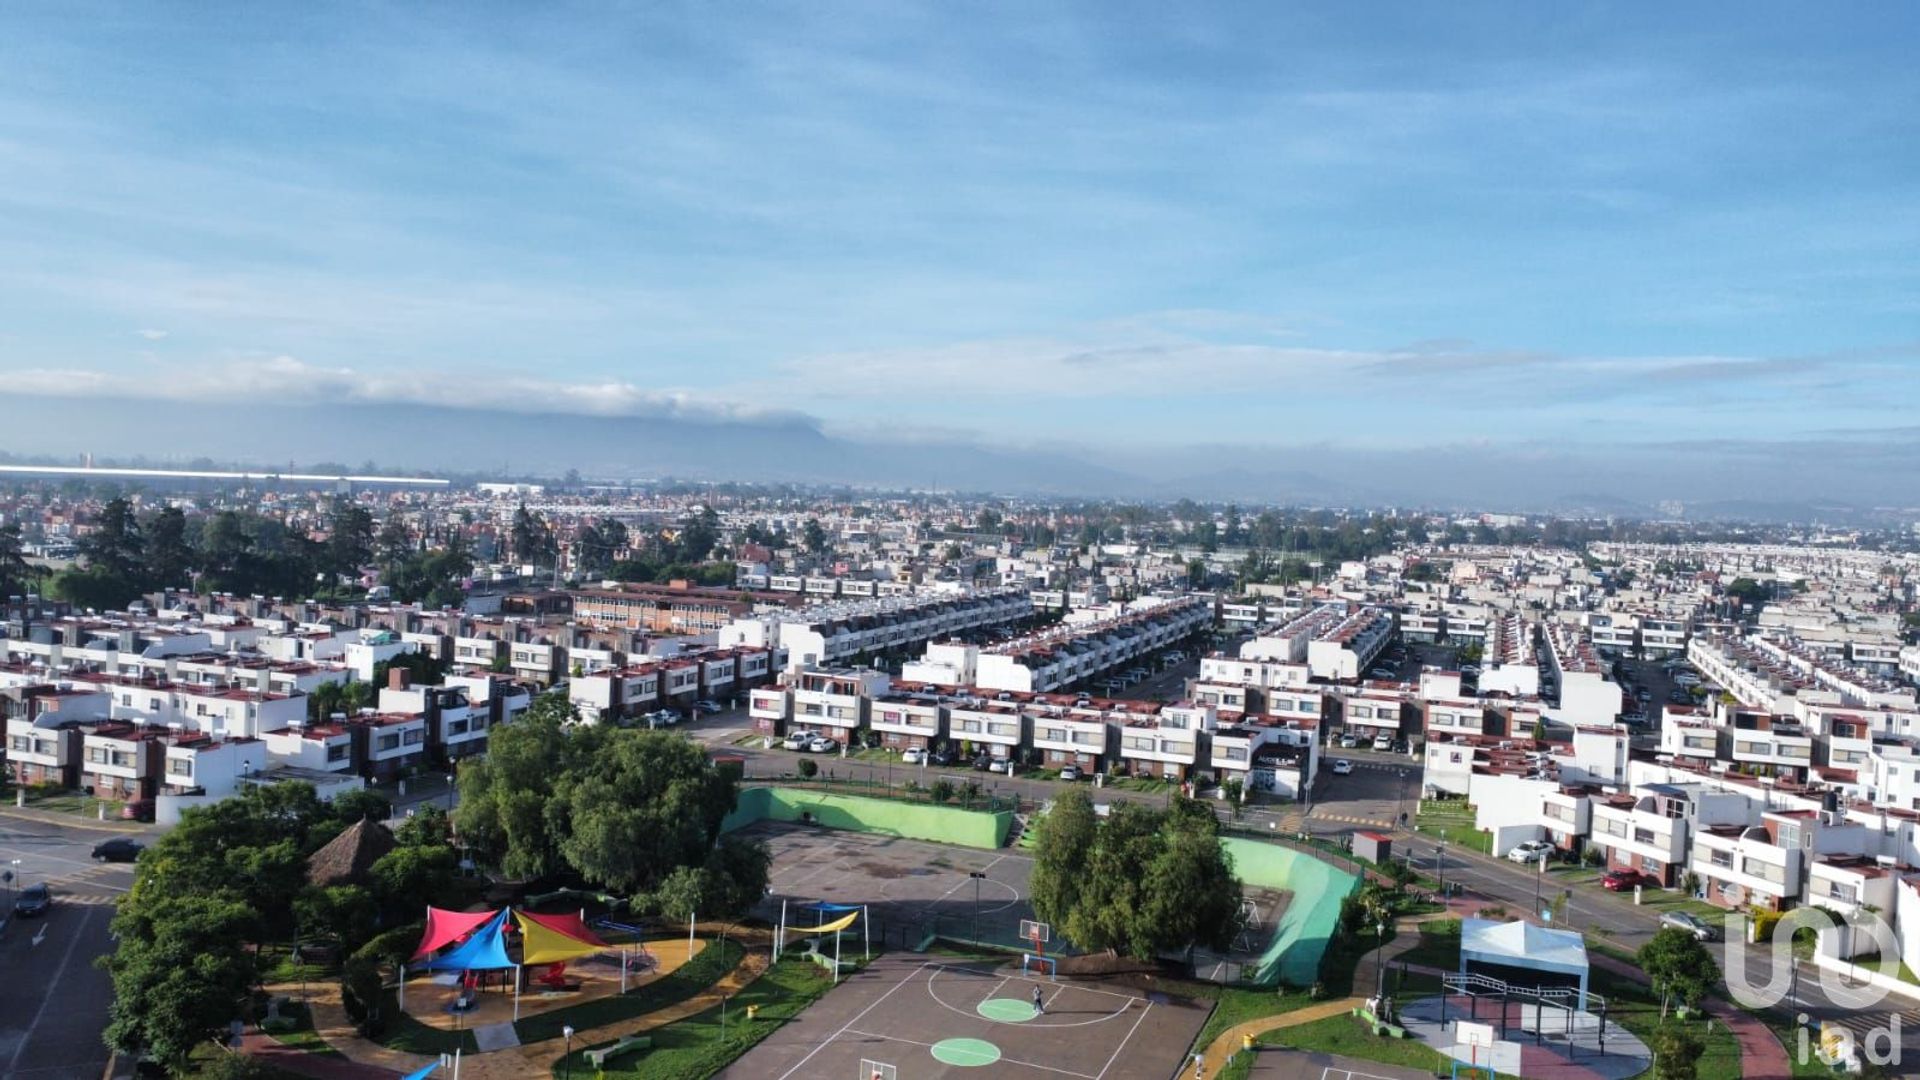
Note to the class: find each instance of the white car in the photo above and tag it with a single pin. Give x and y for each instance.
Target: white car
(1530, 852)
(1070, 772)
(1341, 766)
(820, 744)
(796, 742)
(913, 755)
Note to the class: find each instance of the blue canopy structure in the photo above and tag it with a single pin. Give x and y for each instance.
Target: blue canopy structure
(824, 906)
(484, 951)
(421, 1074)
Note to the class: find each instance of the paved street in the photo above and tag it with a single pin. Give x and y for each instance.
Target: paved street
(53, 1004)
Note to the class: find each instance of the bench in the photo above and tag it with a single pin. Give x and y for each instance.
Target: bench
(598, 1058)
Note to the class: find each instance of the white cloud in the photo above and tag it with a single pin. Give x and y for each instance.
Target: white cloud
(285, 380)
(152, 335)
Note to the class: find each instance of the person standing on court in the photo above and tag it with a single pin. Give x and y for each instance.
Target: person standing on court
(1039, 1008)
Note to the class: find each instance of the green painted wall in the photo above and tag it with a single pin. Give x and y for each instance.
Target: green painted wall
(916, 821)
(1311, 916)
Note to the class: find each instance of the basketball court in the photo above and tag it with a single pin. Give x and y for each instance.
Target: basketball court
(907, 1016)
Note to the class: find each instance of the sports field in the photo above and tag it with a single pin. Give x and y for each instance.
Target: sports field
(910, 1016)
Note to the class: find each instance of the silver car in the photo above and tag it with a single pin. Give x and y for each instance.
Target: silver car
(1692, 924)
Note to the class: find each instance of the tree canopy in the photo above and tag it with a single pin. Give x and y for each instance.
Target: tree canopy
(1679, 966)
(1144, 881)
(610, 807)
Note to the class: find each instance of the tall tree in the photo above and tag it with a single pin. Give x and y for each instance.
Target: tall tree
(815, 538)
(1146, 881)
(349, 537)
(169, 555)
(1679, 966)
(113, 547)
(178, 987)
(531, 537)
(14, 568)
(1063, 846)
(394, 544)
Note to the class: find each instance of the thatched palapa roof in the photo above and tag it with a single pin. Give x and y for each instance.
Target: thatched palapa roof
(347, 858)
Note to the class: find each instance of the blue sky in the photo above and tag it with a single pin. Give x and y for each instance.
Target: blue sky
(1114, 226)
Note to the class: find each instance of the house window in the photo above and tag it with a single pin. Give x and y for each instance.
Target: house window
(180, 767)
(19, 742)
(337, 752)
(97, 755)
(388, 742)
(414, 737)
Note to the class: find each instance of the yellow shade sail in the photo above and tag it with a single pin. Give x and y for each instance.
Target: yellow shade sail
(539, 945)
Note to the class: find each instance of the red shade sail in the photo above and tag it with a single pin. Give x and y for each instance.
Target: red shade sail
(446, 927)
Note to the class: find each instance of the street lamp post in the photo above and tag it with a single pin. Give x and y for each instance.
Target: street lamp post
(449, 793)
(1440, 867)
(566, 1032)
(977, 877)
(1540, 871)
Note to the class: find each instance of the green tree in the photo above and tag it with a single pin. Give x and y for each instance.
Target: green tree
(394, 544)
(1197, 574)
(15, 571)
(113, 547)
(348, 914)
(427, 826)
(814, 538)
(616, 808)
(169, 555)
(1751, 594)
(1679, 966)
(178, 986)
(349, 537)
(362, 804)
(1063, 849)
(1676, 1053)
(411, 876)
(531, 537)
(698, 535)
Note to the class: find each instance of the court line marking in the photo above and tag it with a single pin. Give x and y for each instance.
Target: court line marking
(1333, 1073)
(1028, 979)
(1003, 1057)
(1123, 1042)
(1029, 1024)
(894, 989)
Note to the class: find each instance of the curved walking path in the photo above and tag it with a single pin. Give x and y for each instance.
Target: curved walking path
(367, 1060)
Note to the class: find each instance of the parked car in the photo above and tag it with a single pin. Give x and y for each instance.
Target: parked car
(1349, 742)
(982, 763)
(137, 810)
(912, 755)
(797, 741)
(1383, 743)
(820, 744)
(1530, 852)
(941, 757)
(1003, 765)
(709, 707)
(34, 900)
(1341, 766)
(1380, 673)
(1070, 772)
(118, 849)
(1622, 880)
(1698, 927)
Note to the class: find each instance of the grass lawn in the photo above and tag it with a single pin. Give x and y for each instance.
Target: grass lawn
(1452, 820)
(1140, 783)
(1439, 945)
(301, 1035)
(1636, 1008)
(1237, 1005)
(698, 1046)
(1573, 874)
(1350, 1036)
(709, 966)
(1663, 901)
(73, 802)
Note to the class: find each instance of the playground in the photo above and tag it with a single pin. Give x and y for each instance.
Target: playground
(907, 1015)
(435, 998)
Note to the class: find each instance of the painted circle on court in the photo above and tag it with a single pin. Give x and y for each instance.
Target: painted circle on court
(1006, 1010)
(971, 1053)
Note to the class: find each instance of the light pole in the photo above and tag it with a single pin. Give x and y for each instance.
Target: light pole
(977, 877)
(566, 1032)
(1540, 872)
(1440, 867)
(449, 793)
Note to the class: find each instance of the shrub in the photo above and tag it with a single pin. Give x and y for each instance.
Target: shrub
(1764, 923)
(942, 791)
(808, 769)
